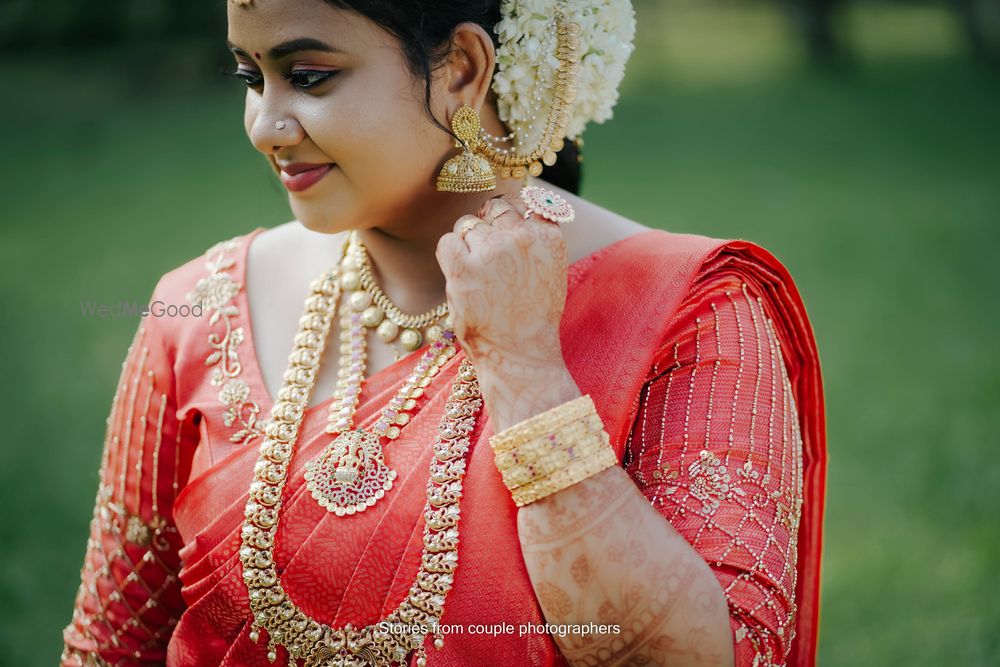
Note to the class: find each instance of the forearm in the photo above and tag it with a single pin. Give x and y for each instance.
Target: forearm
(597, 552)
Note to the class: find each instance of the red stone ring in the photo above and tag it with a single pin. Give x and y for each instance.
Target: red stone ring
(547, 205)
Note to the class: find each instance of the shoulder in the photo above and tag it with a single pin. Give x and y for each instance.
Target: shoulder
(268, 261)
(221, 269)
(600, 233)
(673, 280)
(744, 299)
(674, 260)
(208, 278)
(596, 228)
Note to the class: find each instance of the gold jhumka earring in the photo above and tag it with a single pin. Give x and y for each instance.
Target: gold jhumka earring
(466, 172)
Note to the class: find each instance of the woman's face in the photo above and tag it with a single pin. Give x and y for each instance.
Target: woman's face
(334, 107)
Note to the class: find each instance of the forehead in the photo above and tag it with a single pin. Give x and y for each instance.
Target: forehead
(259, 24)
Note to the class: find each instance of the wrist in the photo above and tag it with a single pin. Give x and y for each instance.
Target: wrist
(513, 399)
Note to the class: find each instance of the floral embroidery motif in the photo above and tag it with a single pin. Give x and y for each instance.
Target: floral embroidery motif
(788, 509)
(710, 482)
(764, 656)
(215, 292)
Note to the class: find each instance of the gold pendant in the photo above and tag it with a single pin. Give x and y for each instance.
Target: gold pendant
(351, 474)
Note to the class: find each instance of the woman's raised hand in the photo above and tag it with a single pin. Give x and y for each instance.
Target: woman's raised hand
(506, 289)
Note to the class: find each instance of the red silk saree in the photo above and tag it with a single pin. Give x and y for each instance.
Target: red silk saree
(697, 353)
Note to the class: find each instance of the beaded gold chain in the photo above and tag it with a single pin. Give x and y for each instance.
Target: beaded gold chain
(378, 309)
(274, 612)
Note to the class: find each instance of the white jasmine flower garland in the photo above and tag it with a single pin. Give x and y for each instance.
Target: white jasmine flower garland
(527, 64)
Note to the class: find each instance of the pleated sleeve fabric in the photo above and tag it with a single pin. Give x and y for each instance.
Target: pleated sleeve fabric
(129, 597)
(716, 449)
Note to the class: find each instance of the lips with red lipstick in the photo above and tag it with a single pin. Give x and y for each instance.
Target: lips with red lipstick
(300, 176)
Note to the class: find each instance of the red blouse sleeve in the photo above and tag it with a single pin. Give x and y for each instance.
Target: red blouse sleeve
(716, 448)
(129, 597)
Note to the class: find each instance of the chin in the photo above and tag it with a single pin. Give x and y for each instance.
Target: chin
(320, 219)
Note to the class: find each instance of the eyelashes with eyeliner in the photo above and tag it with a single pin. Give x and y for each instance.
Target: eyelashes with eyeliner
(302, 79)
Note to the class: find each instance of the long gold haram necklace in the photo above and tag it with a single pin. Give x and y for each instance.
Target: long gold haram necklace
(404, 630)
(351, 474)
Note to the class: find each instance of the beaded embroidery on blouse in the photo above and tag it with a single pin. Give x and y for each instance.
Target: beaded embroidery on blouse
(216, 293)
(734, 492)
(132, 545)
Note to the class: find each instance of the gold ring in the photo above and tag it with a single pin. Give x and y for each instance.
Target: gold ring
(467, 227)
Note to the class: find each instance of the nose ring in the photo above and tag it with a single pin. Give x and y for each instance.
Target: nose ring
(279, 124)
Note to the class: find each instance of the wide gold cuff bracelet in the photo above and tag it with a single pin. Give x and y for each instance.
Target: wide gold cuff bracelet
(552, 450)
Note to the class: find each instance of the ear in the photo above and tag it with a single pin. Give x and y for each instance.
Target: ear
(469, 67)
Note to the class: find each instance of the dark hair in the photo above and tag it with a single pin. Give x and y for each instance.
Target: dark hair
(424, 29)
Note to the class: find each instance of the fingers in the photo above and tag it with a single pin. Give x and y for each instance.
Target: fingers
(500, 221)
(471, 229)
(502, 213)
(465, 224)
(450, 251)
(512, 212)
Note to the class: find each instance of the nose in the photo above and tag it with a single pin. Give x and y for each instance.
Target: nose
(271, 126)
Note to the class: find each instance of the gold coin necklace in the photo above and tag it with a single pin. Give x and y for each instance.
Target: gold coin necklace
(351, 473)
(275, 614)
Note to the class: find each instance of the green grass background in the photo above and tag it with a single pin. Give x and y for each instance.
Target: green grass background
(877, 183)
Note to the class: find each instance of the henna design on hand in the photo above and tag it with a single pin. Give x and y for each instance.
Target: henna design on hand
(506, 289)
(601, 547)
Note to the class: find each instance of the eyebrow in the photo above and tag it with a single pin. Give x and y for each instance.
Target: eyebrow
(289, 47)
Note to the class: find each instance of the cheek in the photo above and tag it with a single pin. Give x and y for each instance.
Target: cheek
(377, 133)
(380, 118)
(387, 148)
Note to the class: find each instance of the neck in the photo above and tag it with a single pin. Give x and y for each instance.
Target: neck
(403, 255)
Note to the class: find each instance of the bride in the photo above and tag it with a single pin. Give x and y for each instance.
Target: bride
(453, 413)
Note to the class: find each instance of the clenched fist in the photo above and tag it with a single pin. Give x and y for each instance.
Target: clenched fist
(506, 289)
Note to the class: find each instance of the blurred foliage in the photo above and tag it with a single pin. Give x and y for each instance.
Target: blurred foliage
(876, 185)
(68, 23)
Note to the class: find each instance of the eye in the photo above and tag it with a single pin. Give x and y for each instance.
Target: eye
(307, 78)
(250, 77)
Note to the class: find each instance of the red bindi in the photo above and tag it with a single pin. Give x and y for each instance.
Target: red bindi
(256, 55)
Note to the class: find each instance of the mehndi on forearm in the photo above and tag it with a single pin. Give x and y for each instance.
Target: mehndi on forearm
(599, 555)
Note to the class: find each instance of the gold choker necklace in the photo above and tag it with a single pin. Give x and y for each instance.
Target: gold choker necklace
(378, 310)
(274, 612)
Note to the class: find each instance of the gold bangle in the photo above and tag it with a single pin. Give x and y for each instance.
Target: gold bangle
(542, 424)
(532, 450)
(518, 475)
(552, 451)
(564, 478)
